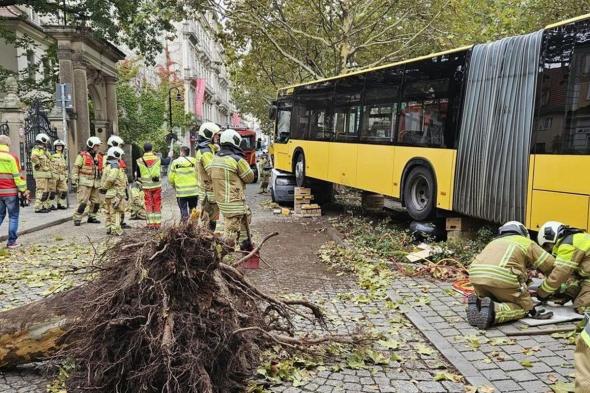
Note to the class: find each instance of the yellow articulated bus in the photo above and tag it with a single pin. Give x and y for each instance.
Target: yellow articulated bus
(498, 131)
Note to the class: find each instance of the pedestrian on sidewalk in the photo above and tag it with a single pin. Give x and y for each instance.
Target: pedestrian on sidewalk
(60, 174)
(149, 166)
(183, 177)
(206, 150)
(86, 174)
(230, 173)
(12, 187)
(113, 188)
(42, 168)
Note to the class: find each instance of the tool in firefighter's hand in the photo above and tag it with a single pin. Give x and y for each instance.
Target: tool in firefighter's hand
(540, 313)
(24, 198)
(116, 202)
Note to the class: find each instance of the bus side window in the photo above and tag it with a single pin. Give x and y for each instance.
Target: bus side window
(283, 122)
(317, 107)
(381, 101)
(347, 108)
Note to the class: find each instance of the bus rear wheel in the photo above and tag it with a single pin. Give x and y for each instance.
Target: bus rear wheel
(419, 193)
(299, 169)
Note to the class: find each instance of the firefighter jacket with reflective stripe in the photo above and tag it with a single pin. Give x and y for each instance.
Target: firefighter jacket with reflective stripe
(11, 181)
(264, 164)
(183, 176)
(60, 166)
(229, 174)
(149, 171)
(114, 180)
(87, 169)
(204, 157)
(572, 258)
(122, 166)
(505, 261)
(42, 163)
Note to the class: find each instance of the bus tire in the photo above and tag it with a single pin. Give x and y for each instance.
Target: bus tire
(299, 170)
(420, 193)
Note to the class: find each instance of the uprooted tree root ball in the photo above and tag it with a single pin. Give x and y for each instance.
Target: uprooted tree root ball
(164, 314)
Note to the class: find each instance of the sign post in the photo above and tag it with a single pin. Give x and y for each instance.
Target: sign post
(63, 98)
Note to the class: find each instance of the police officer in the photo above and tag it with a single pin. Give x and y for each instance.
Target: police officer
(183, 177)
(265, 168)
(149, 166)
(42, 168)
(206, 150)
(60, 174)
(499, 275)
(230, 173)
(86, 174)
(571, 248)
(112, 187)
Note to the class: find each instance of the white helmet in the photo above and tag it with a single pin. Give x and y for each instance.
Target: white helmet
(115, 141)
(230, 137)
(513, 227)
(43, 138)
(115, 152)
(59, 142)
(93, 141)
(550, 232)
(208, 130)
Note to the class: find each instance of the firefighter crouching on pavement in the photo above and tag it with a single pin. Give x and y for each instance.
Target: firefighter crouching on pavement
(86, 174)
(571, 274)
(182, 175)
(229, 174)
(206, 150)
(265, 169)
(60, 175)
(113, 188)
(499, 275)
(149, 167)
(116, 141)
(42, 168)
(582, 358)
(136, 206)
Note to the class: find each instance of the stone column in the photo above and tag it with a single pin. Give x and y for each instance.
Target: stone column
(13, 114)
(81, 102)
(111, 98)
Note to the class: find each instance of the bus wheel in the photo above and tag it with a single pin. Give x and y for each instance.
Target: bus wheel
(300, 170)
(419, 193)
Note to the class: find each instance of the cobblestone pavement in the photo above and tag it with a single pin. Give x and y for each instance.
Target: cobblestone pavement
(496, 357)
(29, 220)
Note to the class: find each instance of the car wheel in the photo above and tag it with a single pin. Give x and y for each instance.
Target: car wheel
(419, 193)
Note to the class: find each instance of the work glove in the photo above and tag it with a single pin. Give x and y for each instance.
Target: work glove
(36, 167)
(116, 202)
(102, 191)
(540, 313)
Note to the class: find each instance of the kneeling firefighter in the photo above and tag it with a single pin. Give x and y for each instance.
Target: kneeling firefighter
(499, 275)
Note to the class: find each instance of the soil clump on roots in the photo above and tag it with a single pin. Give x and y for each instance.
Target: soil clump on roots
(164, 314)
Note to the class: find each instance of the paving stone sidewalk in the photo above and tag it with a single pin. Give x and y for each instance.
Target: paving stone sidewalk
(494, 357)
(30, 221)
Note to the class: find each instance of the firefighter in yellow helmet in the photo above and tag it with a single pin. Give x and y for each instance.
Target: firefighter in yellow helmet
(60, 173)
(206, 150)
(86, 174)
(113, 187)
(499, 275)
(42, 168)
(230, 173)
(571, 248)
(582, 358)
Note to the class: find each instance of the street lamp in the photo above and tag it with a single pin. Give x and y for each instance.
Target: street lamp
(178, 98)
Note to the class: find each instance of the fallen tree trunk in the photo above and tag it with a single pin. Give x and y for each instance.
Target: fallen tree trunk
(33, 332)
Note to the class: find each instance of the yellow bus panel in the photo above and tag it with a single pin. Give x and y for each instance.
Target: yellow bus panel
(529, 193)
(556, 206)
(342, 163)
(375, 169)
(563, 173)
(281, 155)
(443, 163)
(317, 156)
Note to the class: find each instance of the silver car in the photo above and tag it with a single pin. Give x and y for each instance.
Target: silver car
(282, 187)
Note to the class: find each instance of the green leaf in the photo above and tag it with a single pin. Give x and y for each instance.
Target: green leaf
(424, 349)
(563, 387)
(389, 344)
(526, 363)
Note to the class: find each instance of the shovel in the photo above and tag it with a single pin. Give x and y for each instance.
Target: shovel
(253, 258)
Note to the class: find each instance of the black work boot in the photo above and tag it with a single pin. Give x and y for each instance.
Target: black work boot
(92, 220)
(487, 313)
(60, 207)
(473, 306)
(124, 225)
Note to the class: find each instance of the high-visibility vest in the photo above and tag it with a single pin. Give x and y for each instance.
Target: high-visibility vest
(11, 181)
(87, 169)
(149, 170)
(183, 177)
(41, 163)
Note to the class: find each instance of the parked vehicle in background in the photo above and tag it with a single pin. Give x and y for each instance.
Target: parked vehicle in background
(282, 187)
(497, 131)
(249, 147)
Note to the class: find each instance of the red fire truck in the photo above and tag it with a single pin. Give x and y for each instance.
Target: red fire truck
(249, 148)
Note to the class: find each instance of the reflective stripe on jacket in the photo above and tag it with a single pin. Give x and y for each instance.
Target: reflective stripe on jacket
(204, 158)
(183, 177)
(60, 166)
(113, 180)
(42, 164)
(505, 261)
(229, 175)
(149, 169)
(11, 181)
(572, 257)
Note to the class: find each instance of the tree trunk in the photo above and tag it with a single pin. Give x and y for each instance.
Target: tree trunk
(33, 332)
(345, 47)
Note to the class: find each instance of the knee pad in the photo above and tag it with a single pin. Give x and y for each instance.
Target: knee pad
(95, 208)
(81, 207)
(44, 196)
(63, 195)
(52, 195)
